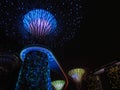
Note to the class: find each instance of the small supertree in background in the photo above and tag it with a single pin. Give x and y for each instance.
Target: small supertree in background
(37, 61)
(76, 75)
(58, 84)
(9, 66)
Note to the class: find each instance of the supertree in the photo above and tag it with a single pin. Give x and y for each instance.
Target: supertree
(39, 28)
(76, 75)
(39, 23)
(37, 61)
(58, 84)
(68, 20)
(9, 65)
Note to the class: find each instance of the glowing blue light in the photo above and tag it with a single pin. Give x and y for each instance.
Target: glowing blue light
(54, 65)
(39, 22)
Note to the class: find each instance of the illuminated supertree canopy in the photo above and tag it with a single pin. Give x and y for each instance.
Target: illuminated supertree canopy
(58, 84)
(39, 22)
(76, 74)
(16, 20)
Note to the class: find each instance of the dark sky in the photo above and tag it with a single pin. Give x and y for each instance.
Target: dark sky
(89, 36)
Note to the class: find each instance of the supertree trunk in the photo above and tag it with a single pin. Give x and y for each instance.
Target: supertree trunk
(35, 72)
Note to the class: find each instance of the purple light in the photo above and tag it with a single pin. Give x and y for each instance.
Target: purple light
(40, 27)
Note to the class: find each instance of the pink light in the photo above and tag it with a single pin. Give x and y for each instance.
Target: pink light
(40, 27)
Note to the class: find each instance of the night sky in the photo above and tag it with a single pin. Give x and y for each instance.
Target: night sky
(88, 34)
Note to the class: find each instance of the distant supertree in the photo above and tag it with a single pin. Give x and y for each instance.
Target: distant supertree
(9, 65)
(39, 23)
(76, 75)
